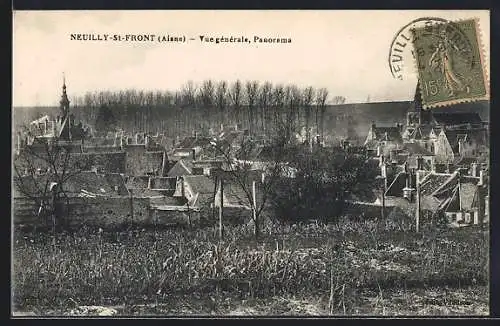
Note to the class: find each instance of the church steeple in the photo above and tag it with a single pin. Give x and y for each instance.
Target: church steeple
(416, 114)
(417, 100)
(64, 103)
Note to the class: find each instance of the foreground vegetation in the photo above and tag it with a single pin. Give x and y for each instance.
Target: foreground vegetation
(363, 267)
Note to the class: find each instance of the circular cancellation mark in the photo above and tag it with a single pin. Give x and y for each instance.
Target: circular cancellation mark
(401, 55)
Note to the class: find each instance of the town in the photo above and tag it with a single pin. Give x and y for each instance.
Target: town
(432, 164)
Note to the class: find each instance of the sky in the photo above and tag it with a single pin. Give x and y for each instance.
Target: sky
(344, 51)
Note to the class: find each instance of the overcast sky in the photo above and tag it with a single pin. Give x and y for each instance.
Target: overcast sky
(344, 51)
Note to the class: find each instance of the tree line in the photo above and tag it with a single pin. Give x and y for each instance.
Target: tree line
(259, 107)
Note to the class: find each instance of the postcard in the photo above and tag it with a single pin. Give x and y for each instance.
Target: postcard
(256, 163)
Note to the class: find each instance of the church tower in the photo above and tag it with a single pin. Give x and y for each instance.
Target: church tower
(64, 103)
(417, 116)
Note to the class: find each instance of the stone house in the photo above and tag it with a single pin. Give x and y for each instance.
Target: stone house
(453, 144)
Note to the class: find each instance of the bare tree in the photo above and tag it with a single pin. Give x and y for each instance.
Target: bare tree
(251, 88)
(278, 103)
(188, 93)
(265, 93)
(242, 170)
(206, 98)
(293, 99)
(321, 100)
(307, 101)
(221, 100)
(42, 169)
(236, 96)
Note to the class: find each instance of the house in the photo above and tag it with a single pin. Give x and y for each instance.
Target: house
(181, 168)
(64, 127)
(190, 147)
(465, 203)
(460, 197)
(387, 137)
(441, 131)
(452, 144)
(87, 198)
(81, 184)
(203, 193)
(93, 184)
(457, 120)
(197, 190)
(140, 161)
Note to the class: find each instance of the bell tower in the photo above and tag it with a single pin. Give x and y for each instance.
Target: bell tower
(64, 102)
(417, 115)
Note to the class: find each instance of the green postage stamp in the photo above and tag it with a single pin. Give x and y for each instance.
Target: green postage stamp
(450, 63)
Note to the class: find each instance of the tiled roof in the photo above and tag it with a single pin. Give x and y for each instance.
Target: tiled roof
(476, 135)
(145, 192)
(191, 142)
(167, 200)
(421, 132)
(200, 183)
(432, 182)
(111, 184)
(464, 161)
(461, 198)
(416, 149)
(137, 182)
(117, 180)
(100, 184)
(180, 168)
(450, 119)
(163, 183)
(387, 133)
(397, 185)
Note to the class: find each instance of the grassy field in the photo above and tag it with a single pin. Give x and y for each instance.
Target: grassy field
(360, 268)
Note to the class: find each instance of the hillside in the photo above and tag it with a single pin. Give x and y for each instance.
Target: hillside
(352, 119)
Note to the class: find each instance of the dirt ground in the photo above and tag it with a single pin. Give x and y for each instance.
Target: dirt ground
(414, 302)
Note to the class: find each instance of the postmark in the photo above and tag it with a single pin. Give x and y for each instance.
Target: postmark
(449, 62)
(401, 57)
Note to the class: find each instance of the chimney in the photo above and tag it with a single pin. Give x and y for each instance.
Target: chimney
(460, 146)
(481, 178)
(381, 160)
(392, 156)
(383, 171)
(408, 191)
(373, 125)
(420, 163)
(474, 170)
